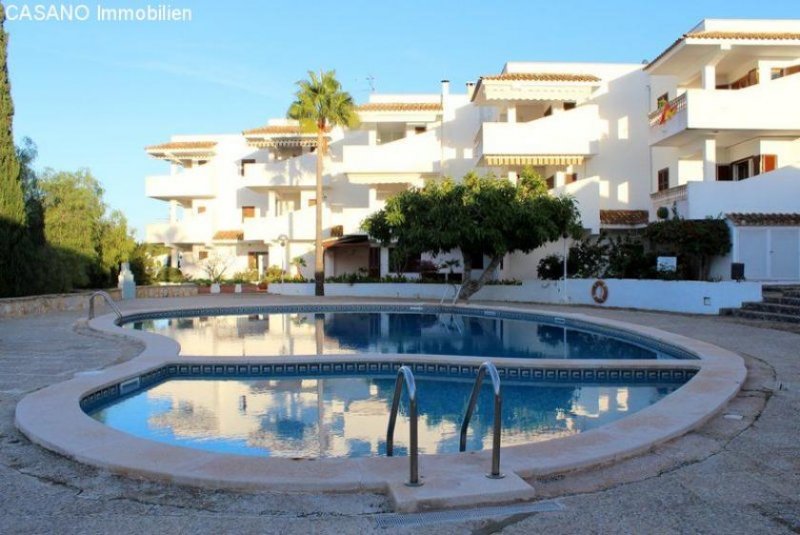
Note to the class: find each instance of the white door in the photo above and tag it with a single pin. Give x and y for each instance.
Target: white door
(785, 253)
(753, 252)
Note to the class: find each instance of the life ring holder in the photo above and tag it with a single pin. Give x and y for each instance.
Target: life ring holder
(599, 292)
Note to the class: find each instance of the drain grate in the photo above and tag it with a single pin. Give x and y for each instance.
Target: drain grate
(397, 520)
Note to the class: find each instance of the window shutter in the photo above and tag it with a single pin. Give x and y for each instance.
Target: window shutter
(769, 162)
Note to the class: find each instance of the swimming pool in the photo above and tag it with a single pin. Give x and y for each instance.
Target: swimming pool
(402, 330)
(57, 417)
(318, 417)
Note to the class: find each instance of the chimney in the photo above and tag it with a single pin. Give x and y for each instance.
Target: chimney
(445, 88)
(470, 89)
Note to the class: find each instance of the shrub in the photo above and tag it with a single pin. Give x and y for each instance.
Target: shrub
(170, 274)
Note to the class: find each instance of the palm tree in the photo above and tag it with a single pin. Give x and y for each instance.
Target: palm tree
(320, 105)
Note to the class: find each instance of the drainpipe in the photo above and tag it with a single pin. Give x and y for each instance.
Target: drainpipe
(566, 252)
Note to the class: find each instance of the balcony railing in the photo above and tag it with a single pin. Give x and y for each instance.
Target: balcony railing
(669, 195)
(668, 110)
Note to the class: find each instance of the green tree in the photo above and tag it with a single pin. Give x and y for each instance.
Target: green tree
(73, 209)
(32, 194)
(321, 104)
(14, 241)
(694, 241)
(116, 245)
(479, 215)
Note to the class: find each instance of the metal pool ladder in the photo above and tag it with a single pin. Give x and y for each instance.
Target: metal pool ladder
(107, 299)
(404, 375)
(486, 367)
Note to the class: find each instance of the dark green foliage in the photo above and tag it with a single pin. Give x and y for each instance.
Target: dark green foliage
(628, 258)
(480, 213)
(693, 241)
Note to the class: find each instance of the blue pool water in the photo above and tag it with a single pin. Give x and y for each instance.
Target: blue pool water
(312, 417)
(330, 333)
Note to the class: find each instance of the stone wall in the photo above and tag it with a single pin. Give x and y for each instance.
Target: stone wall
(40, 304)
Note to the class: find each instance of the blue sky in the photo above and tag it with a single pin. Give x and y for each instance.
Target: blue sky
(94, 94)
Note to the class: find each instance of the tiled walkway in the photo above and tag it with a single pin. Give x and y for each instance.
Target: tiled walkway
(731, 476)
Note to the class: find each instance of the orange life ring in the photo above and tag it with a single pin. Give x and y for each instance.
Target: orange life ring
(599, 292)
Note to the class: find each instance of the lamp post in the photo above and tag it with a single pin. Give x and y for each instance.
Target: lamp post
(282, 240)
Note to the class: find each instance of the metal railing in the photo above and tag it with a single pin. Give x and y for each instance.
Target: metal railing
(667, 111)
(404, 375)
(107, 299)
(486, 367)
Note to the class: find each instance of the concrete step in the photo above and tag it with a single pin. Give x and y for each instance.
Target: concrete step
(780, 300)
(764, 316)
(777, 308)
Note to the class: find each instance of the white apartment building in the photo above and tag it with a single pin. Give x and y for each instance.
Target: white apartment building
(710, 127)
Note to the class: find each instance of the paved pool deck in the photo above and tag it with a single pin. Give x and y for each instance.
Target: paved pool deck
(739, 473)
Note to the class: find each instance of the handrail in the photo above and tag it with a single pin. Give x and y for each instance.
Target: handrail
(456, 288)
(498, 401)
(107, 299)
(404, 375)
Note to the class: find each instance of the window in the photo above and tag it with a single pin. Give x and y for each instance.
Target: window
(388, 132)
(551, 182)
(741, 169)
(202, 255)
(244, 163)
(201, 210)
(569, 105)
(252, 260)
(420, 129)
(569, 178)
(248, 212)
(751, 78)
(724, 173)
(312, 202)
(663, 179)
(662, 100)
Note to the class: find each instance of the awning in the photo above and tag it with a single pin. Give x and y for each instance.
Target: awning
(544, 159)
(351, 240)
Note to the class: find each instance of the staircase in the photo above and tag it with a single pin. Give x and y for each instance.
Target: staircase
(780, 304)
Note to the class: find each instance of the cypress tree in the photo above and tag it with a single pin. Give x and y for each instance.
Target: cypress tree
(13, 232)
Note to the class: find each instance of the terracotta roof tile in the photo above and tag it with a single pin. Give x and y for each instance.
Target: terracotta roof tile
(182, 145)
(400, 106)
(274, 129)
(229, 235)
(624, 217)
(543, 77)
(754, 219)
(767, 36)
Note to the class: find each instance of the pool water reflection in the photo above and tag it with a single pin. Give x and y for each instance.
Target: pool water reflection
(387, 332)
(347, 416)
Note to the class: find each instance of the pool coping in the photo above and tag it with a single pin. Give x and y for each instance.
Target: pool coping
(52, 417)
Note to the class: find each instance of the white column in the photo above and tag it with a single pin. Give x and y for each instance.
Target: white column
(373, 197)
(372, 136)
(384, 261)
(173, 211)
(512, 177)
(764, 73)
(709, 77)
(511, 113)
(559, 180)
(709, 159)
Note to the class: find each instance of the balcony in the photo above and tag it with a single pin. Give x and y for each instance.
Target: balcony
(410, 157)
(769, 108)
(298, 172)
(296, 225)
(571, 135)
(773, 192)
(189, 184)
(182, 232)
